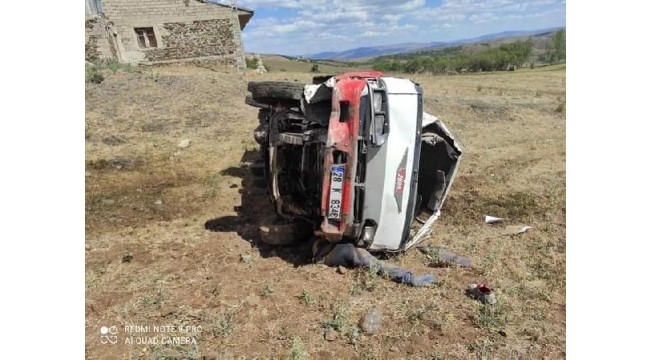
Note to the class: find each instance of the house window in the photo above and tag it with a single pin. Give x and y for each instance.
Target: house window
(146, 37)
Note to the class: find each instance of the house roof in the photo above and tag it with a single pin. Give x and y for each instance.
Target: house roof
(239, 8)
(243, 18)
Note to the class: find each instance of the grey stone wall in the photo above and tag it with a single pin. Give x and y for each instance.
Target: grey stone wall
(92, 54)
(194, 40)
(100, 44)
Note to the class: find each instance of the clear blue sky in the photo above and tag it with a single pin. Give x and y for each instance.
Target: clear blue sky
(298, 27)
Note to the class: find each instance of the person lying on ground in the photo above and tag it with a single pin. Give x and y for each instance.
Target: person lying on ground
(350, 256)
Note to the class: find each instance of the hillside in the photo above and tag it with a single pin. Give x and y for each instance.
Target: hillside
(281, 63)
(540, 43)
(492, 40)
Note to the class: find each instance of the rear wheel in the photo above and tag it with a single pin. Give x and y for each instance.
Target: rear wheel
(272, 92)
(249, 101)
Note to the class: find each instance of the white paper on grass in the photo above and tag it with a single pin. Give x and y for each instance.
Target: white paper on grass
(493, 219)
(517, 229)
(523, 229)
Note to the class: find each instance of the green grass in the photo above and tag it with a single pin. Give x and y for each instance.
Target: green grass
(339, 321)
(490, 317)
(155, 298)
(419, 314)
(298, 350)
(354, 335)
(252, 63)
(306, 298)
(223, 325)
(94, 75)
(365, 280)
(211, 183)
(483, 347)
(267, 290)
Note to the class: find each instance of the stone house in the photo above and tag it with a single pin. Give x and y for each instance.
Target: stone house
(160, 31)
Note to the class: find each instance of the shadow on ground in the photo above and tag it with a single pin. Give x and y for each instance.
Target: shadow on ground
(256, 210)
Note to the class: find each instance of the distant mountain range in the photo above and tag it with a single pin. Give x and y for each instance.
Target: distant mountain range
(373, 51)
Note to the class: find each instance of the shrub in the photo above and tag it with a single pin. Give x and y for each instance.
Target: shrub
(251, 63)
(94, 75)
(297, 351)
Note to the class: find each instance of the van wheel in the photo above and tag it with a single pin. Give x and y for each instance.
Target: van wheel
(272, 92)
(249, 101)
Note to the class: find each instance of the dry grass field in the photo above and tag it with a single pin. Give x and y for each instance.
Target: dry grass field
(277, 63)
(171, 232)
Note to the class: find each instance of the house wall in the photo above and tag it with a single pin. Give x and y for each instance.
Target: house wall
(184, 29)
(100, 41)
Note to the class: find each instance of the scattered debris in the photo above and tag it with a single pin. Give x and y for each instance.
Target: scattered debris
(127, 257)
(158, 202)
(441, 258)
(185, 143)
(517, 229)
(493, 219)
(330, 334)
(482, 293)
(246, 258)
(372, 321)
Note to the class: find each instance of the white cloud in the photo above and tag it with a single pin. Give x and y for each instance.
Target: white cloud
(267, 3)
(392, 18)
(302, 27)
(293, 27)
(342, 16)
(480, 18)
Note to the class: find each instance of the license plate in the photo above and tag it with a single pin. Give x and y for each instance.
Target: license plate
(336, 192)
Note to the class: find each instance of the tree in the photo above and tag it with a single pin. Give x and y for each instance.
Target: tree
(556, 50)
(525, 51)
(559, 45)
